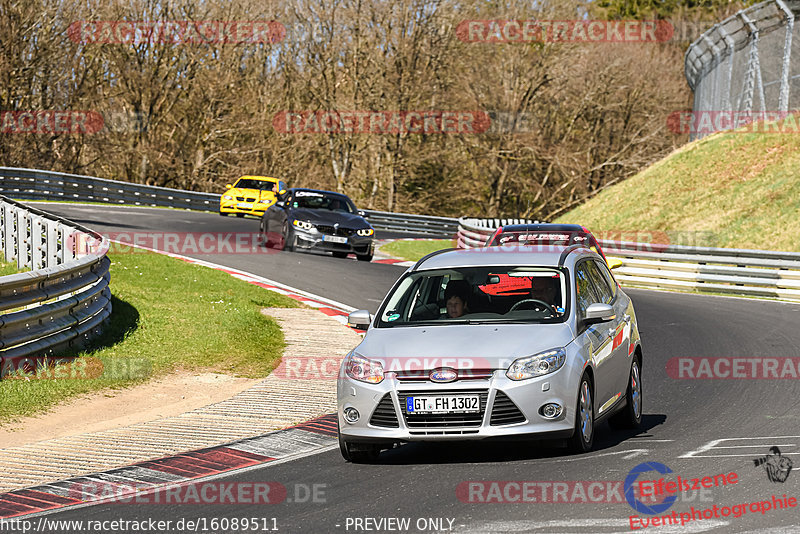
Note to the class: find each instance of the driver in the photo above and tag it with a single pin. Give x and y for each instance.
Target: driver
(455, 297)
(543, 289)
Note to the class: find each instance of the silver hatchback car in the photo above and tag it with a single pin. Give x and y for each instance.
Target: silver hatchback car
(536, 342)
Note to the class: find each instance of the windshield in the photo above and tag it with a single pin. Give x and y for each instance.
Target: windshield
(477, 295)
(249, 183)
(322, 201)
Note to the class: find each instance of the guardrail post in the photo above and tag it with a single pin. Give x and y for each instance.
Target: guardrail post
(22, 239)
(9, 232)
(51, 257)
(38, 243)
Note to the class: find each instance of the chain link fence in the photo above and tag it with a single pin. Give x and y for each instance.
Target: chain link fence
(745, 68)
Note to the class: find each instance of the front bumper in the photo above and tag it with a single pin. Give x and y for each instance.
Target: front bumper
(248, 208)
(314, 239)
(509, 409)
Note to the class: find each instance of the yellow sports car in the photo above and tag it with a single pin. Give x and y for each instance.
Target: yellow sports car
(250, 195)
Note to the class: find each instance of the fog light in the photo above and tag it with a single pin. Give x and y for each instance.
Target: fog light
(551, 411)
(351, 415)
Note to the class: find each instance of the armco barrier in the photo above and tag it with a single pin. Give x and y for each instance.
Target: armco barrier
(63, 301)
(31, 184)
(473, 233)
(757, 273)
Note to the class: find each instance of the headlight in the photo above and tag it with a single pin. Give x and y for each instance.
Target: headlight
(365, 232)
(362, 369)
(227, 197)
(541, 364)
(264, 201)
(303, 225)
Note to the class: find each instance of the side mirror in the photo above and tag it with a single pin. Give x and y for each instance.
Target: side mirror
(599, 313)
(362, 213)
(228, 186)
(360, 319)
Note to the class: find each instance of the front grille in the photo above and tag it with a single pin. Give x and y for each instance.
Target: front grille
(463, 374)
(444, 420)
(330, 230)
(384, 415)
(245, 199)
(504, 411)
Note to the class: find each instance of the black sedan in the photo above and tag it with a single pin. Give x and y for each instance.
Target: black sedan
(313, 219)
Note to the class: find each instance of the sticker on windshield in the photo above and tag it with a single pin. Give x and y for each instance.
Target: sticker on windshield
(308, 194)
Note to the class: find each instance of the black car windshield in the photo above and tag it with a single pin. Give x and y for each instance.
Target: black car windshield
(249, 183)
(476, 295)
(321, 201)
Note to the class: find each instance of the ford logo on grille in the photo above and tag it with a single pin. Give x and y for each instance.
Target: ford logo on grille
(443, 375)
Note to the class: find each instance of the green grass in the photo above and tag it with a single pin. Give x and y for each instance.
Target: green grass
(415, 249)
(739, 190)
(168, 315)
(7, 268)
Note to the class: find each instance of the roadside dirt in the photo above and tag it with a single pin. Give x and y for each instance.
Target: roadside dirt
(167, 396)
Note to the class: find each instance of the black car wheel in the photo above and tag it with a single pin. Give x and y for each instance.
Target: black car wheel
(583, 438)
(368, 255)
(358, 453)
(631, 415)
(288, 238)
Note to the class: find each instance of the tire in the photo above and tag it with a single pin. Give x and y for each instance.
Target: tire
(288, 238)
(223, 214)
(367, 256)
(358, 453)
(264, 235)
(339, 254)
(583, 438)
(240, 214)
(631, 415)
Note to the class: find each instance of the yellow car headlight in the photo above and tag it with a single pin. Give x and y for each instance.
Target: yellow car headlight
(227, 197)
(365, 232)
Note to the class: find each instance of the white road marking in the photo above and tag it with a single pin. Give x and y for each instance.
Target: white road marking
(768, 441)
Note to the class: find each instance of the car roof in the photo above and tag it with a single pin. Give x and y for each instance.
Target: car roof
(317, 191)
(544, 227)
(260, 178)
(540, 256)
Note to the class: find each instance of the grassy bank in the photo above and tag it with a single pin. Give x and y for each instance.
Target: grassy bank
(730, 190)
(412, 250)
(168, 315)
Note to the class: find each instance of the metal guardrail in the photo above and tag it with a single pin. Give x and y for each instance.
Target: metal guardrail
(473, 233)
(757, 273)
(63, 301)
(31, 184)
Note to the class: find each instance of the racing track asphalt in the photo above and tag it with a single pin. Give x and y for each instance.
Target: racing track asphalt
(419, 480)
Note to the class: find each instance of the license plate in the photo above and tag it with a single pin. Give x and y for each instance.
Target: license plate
(334, 239)
(443, 404)
(245, 205)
